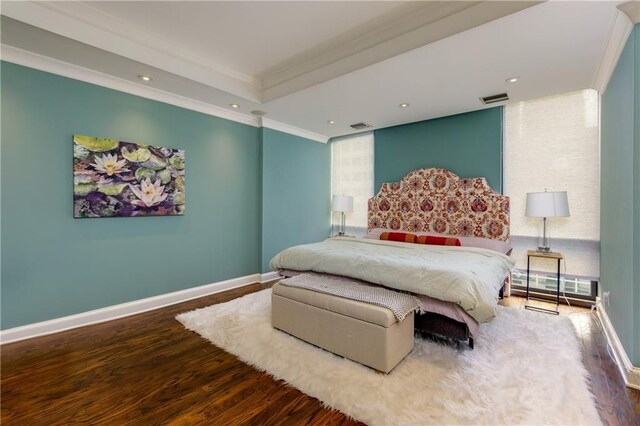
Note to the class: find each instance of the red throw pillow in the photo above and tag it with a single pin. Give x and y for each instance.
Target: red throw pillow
(402, 237)
(437, 241)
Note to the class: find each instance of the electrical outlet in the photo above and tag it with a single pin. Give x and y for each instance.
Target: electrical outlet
(606, 297)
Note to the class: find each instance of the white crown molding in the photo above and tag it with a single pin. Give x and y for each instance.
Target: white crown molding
(81, 22)
(126, 309)
(629, 372)
(409, 26)
(407, 17)
(293, 130)
(632, 9)
(621, 28)
(54, 66)
(417, 25)
(65, 69)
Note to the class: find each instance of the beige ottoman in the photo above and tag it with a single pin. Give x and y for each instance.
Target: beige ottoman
(361, 332)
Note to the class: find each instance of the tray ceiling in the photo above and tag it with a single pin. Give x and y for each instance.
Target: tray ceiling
(306, 63)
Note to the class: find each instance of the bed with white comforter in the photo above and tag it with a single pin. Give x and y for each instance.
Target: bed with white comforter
(467, 276)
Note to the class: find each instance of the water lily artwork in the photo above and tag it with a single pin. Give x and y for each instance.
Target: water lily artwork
(117, 178)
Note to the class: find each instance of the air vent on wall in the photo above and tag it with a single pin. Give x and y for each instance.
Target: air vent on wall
(495, 98)
(360, 126)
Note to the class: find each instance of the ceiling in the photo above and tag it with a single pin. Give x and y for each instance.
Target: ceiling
(248, 37)
(306, 63)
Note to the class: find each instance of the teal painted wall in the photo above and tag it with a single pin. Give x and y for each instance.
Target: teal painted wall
(468, 144)
(296, 192)
(620, 197)
(54, 265)
(636, 195)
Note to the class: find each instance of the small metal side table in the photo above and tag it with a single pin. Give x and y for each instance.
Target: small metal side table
(550, 255)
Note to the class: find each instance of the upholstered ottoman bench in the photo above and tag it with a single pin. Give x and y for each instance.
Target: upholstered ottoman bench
(359, 331)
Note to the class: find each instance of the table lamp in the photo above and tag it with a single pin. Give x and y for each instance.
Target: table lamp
(544, 205)
(342, 204)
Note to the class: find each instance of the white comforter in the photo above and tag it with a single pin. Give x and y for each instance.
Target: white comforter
(468, 276)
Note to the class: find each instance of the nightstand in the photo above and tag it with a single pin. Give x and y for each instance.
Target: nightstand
(551, 255)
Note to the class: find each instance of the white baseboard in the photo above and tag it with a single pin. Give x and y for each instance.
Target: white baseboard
(125, 309)
(269, 276)
(630, 373)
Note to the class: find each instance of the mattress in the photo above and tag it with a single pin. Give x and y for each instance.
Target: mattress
(467, 276)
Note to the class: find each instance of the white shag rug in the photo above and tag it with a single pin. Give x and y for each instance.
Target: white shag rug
(526, 368)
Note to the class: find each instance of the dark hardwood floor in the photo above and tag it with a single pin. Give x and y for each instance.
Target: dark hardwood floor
(147, 369)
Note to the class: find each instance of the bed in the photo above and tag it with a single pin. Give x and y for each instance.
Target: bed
(460, 285)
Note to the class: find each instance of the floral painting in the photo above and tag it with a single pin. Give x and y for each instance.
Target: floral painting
(117, 178)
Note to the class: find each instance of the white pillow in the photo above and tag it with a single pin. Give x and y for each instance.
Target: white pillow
(486, 243)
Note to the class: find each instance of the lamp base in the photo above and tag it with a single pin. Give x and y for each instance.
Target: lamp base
(544, 249)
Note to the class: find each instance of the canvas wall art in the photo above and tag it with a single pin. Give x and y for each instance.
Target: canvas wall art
(117, 178)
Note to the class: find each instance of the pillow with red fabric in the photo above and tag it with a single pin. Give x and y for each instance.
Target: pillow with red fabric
(437, 241)
(486, 243)
(403, 237)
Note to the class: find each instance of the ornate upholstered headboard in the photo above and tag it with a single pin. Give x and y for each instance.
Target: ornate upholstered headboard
(436, 200)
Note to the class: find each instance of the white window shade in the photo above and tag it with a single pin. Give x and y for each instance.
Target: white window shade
(352, 174)
(553, 143)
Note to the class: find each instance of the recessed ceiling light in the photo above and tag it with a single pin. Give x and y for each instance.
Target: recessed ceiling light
(234, 105)
(403, 105)
(331, 122)
(258, 113)
(512, 79)
(144, 77)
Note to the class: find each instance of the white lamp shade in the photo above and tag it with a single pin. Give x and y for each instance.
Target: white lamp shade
(342, 203)
(547, 204)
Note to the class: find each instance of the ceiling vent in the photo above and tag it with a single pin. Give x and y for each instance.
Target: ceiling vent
(495, 98)
(360, 126)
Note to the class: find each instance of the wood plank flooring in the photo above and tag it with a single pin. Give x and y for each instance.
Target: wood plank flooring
(147, 369)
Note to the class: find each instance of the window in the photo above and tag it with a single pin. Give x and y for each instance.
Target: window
(553, 143)
(352, 174)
